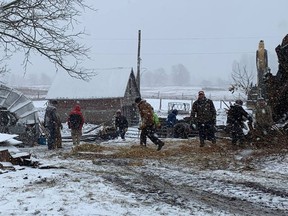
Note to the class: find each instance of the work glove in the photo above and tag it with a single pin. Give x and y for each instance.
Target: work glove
(194, 127)
(250, 119)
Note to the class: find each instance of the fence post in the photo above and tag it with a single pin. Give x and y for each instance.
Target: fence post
(160, 104)
(191, 103)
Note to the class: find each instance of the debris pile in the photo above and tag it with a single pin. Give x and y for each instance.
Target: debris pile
(11, 156)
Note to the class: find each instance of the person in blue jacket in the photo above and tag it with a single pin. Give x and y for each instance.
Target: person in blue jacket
(170, 122)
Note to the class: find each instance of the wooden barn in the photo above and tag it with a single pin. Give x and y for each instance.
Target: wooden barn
(99, 98)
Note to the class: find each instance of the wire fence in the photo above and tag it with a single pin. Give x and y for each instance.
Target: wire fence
(187, 96)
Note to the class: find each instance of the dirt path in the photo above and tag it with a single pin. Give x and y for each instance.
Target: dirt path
(209, 179)
(192, 191)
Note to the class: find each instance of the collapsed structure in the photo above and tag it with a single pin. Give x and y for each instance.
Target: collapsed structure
(18, 115)
(272, 88)
(277, 85)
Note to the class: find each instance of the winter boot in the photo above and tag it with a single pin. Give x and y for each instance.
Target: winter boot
(160, 145)
(202, 143)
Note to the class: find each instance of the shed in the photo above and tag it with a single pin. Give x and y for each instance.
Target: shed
(99, 98)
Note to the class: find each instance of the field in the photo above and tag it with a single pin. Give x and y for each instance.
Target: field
(118, 177)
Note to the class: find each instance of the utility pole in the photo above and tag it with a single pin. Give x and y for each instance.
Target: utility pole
(138, 60)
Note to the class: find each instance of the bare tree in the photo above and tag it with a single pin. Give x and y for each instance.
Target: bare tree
(180, 75)
(44, 27)
(242, 78)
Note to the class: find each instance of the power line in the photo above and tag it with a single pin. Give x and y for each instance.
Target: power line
(182, 54)
(113, 68)
(185, 38)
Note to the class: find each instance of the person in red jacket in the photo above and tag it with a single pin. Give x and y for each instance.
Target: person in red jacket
(75, 123)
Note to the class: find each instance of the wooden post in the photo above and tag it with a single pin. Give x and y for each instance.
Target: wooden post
(138, 59)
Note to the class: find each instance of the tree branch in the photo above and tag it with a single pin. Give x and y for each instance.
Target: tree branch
(242, 78)
(45, 27)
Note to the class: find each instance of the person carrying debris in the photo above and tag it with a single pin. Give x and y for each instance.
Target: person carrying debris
(156, 120)
(235, 121)
(121, 124)
(51, 122)
(263, 117)
(75, 123)
(204, 114)
(171, 120)
(148, 126)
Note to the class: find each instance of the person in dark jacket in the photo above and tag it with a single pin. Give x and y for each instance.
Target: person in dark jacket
(204, 114)
(7, 119)
(235, 121)
(148, 126)
(121, 124)
(4, 120)
(51, 122)
(170, 122)
(75, 123)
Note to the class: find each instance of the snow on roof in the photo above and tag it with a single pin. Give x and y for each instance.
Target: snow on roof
(105, 84)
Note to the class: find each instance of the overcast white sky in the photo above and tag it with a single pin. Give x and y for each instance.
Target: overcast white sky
(206, 36)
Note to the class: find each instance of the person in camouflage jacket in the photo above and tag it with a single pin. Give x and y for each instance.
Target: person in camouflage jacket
(204, 115)
(147, 124)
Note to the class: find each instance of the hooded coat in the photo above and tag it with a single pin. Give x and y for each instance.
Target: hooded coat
(146, 113)
(77, 111)
(50, 119)
(236, 115)
(171, 118)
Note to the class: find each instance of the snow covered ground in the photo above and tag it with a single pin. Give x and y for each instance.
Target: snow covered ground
(124, 179)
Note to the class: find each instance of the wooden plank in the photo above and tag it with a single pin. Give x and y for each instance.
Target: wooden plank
(4, 137)
(12, 149)
(7, 165)
(21, 155)
(14, 142)
(5, 156)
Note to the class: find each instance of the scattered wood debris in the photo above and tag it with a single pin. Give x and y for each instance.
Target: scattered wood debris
(11, 156)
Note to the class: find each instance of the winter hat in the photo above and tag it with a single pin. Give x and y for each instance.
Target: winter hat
(239, 102)
(201, 93)
(118, 111)
(54, 102)
(138, 99)
(77, 107)
(175, 111)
